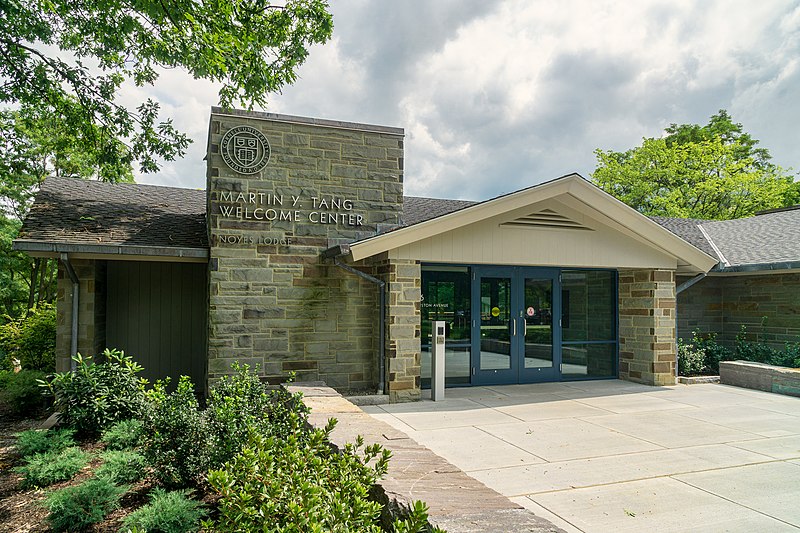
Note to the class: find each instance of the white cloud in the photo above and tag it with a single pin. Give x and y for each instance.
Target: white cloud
(497, 96)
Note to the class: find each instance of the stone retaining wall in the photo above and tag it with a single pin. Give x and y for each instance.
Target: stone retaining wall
(758, 376)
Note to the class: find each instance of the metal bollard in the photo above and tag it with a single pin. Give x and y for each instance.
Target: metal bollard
(437, 361)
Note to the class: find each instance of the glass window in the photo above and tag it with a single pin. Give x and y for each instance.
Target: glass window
(588, 305)
(446, 295)
(588, 323)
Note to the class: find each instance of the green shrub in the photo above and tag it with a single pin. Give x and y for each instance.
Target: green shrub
(299, 485)
(124, 435)
(22, 394)
(36, 441)
(32, 339)
(167, 512)
(76, 508)
(96, 396)
(176, 441)
(122, 466)
(691, 359)
(44, 469)
(240, 403)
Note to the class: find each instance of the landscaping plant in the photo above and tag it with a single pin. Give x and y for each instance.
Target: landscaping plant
(299, 485)
(21, 393)
(122, 466)
(124, 435)
(44, 469)
(176, 436)
(76, 508)
(32, 339)
(167, 512)
(97, 395)
(240, 403)
(36, 441)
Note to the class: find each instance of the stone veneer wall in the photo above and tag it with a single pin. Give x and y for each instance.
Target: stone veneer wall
(647, 326)
(769, 305)
(403, 349)
(91, 311)
(279, 304)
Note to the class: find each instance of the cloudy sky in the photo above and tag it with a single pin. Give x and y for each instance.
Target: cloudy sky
(499, 95)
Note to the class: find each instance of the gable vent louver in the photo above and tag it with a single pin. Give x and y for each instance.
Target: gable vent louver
(546, 218)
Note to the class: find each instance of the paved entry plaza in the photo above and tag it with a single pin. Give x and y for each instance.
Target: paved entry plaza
(613, 456)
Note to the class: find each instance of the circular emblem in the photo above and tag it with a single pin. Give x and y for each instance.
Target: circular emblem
(245, 149)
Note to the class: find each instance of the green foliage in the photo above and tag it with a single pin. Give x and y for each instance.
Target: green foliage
(76, 508)
(691, 359)
(299, 485)
(251, 49)
(711, 172)
(703, 354)
(15, 276)
(22, 394)
(36, 441)
(124, 435)
(416, 521)
(44, 469)
(176, 437)
(32, 339)
(240, 403)
(122, 466)
(96, 396)
(167, 512)
(758, 352)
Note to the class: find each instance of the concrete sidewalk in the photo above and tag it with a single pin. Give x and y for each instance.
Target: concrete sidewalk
(616, 456)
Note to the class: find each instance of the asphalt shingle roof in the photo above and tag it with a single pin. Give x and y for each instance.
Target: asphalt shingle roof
(417, 209)
(77, 211)
(766, 238)
(687, 229)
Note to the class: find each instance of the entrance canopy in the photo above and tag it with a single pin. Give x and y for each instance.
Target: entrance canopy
(566, 222)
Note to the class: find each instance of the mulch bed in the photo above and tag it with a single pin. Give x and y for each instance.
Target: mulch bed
(22, 511)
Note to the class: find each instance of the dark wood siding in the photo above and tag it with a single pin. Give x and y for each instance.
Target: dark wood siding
(156, 312)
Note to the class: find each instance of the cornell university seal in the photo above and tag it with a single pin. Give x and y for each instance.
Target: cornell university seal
(245, 149)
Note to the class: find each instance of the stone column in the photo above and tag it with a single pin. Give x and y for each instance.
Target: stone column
(91, 311)
(403, 290)
(647, 326)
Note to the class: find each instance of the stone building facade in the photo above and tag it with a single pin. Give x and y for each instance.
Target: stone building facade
(767, 304)
(304, 257)
(274, 301)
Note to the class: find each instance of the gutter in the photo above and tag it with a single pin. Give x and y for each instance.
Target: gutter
(25, 245)
(76, 287)
(336, 253)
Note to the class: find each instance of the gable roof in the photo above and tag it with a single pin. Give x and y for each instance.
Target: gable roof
(417, 209)
(767, 241)
(687, 229)
(571, 186)
(76, 215)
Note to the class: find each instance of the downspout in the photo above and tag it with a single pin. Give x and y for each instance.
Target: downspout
(382, 319)
(73, 347)
(679, 289)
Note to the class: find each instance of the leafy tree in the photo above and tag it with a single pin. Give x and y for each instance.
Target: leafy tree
(69, 59)
(706, 172)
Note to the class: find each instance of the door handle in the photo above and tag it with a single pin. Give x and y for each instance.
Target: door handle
(514, 326)
(524, 327)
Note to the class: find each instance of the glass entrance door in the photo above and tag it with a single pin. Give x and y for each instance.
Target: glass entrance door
(538, 332)
(515, 339)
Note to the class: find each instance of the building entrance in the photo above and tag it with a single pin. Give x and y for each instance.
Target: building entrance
(520, 324)
(516, 338)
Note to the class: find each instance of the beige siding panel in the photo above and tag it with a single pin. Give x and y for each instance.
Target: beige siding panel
(489, 242)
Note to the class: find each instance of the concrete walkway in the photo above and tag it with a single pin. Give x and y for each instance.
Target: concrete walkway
(616, 456)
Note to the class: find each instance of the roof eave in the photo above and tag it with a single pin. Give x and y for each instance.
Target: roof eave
(50, 248)
(574, 185)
